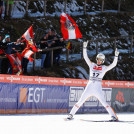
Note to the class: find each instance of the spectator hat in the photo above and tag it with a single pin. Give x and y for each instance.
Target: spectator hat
(7, 36)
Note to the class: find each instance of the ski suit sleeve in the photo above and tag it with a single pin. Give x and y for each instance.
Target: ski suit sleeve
(112, 65)
(86, 57)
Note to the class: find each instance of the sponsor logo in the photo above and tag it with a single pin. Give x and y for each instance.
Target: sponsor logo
(76, 92)
(110, 83)
(40, 80)
(1, 78)
(65, 81)
(128, 84)
(120, 100)
(27, 79)
(32, 95)
(120, 97)
(8, 100)
(13, 78)
(97, 68)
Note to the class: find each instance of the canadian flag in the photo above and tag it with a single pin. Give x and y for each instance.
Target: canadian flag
(28, 34)
(69, 27)
(27, 54)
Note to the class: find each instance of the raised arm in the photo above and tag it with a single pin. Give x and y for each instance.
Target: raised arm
(85, 54)
(114, 62)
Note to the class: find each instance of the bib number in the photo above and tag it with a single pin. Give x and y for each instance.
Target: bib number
(95, 75)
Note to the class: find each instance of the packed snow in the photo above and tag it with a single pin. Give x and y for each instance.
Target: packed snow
(55, 123)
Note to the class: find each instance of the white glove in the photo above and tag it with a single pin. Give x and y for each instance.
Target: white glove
(116, 52)
(85, 44)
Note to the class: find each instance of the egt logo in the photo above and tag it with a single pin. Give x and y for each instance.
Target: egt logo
(31, 95)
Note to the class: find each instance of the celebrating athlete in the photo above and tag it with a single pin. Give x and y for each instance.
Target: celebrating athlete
(94, 88)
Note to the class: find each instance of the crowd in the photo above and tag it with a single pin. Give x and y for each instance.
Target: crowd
(8, 47)
(49, 40)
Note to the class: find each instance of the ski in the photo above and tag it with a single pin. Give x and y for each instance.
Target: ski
(107, 121)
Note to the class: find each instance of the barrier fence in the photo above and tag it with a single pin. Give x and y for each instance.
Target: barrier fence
(27, 94)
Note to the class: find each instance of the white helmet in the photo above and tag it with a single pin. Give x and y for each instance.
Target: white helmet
(101, 56)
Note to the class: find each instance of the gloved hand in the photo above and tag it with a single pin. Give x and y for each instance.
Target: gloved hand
(85, 44)
(116, 52)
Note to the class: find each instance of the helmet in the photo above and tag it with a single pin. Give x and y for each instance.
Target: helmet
(101, 57)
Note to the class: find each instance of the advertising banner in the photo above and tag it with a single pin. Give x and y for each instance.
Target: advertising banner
(92, 105)
(33, 98)
(123, 99)
(28, 94)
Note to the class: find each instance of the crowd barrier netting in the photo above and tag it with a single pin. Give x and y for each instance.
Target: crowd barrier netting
(28, 94)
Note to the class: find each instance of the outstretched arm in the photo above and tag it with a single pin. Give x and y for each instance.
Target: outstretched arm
(114, 62)
(85, 54)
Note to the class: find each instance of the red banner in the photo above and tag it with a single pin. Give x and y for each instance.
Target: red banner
(60, 81)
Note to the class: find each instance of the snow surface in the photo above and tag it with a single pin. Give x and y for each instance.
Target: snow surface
(55, 124)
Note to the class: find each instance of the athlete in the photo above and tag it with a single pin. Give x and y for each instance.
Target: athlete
(94, 88)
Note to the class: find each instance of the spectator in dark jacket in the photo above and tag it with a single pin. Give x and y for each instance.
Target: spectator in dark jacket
(50, 36)
(24, 61)
(10, 49)
(59, 43)
(43, 45)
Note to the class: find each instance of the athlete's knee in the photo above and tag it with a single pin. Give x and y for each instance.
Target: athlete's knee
(76, 105)
(107, 106)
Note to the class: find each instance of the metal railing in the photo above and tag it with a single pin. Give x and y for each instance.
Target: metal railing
(115, 39)
(76, 44)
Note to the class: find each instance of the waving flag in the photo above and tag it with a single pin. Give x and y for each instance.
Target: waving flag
(28, 34)
(69, 27)
(27, 54)
(31, 45)
(15, 60)
(69, 45)
(28, 37)
(2, 51)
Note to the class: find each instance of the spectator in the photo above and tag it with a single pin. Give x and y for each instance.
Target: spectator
(50, 36)
(11, 2)
(1, 8)
(10, 49)
(53, 34)
(59, 43)
(24, 61)
(43, 45)
(2, 46)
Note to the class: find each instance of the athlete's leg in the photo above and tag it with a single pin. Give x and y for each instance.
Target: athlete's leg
(82, 99)
(101, 98)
